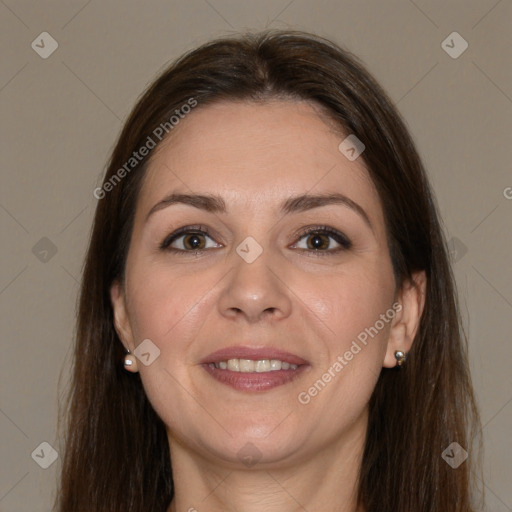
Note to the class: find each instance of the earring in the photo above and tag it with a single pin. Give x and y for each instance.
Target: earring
(129, 362)
(400, 357)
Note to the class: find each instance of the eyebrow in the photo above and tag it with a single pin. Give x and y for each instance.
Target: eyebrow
(301, 203)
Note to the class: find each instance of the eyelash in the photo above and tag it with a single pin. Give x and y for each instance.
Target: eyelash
(339, 237)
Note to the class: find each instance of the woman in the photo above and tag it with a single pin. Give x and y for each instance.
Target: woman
(268, 318)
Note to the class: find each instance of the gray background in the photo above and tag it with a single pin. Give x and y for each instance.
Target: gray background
(61, 116)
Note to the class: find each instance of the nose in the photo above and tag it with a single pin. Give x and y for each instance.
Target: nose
(255, 291)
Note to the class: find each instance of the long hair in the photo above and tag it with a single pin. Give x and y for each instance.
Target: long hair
(116, 453)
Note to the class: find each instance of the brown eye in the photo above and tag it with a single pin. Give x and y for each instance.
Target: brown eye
(188, 239)
(323, 240)
(193, 241)
(317, 241)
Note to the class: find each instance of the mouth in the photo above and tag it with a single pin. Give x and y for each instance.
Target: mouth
(251, 369)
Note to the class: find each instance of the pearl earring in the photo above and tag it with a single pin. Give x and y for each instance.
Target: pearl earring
(400, 357)
(129, 362)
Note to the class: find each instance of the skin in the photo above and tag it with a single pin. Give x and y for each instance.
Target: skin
(256, 155)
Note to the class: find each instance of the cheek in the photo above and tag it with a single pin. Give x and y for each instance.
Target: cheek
(343, 381)
(360, 310)
(349, 302)
(173, 313)
(167, 308)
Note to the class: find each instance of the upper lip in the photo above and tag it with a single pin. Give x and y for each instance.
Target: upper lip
(256, 354)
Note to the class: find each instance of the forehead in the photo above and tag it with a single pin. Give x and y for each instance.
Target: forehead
(256, 155)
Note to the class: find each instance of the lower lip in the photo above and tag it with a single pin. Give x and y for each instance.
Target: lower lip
(255, 381)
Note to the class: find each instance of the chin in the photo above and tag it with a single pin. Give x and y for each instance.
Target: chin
(256, 446)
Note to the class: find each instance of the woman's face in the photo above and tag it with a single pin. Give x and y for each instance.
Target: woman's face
(258, 282)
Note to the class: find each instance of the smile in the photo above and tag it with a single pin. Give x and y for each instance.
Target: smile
(250, 365)
(254, 375)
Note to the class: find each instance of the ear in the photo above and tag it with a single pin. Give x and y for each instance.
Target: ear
(121, 319)
(410, 302)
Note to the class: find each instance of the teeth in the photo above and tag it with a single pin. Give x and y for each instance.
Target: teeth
(233, 365)
(275, 364)
(251, 366)
(262, 366)
(246, 365)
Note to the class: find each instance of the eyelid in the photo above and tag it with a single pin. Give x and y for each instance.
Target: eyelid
(184, 230)
(338, 236)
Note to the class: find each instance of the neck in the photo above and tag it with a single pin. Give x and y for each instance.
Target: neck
(327, 480)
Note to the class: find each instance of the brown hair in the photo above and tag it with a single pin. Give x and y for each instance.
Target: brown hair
(116, 449)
